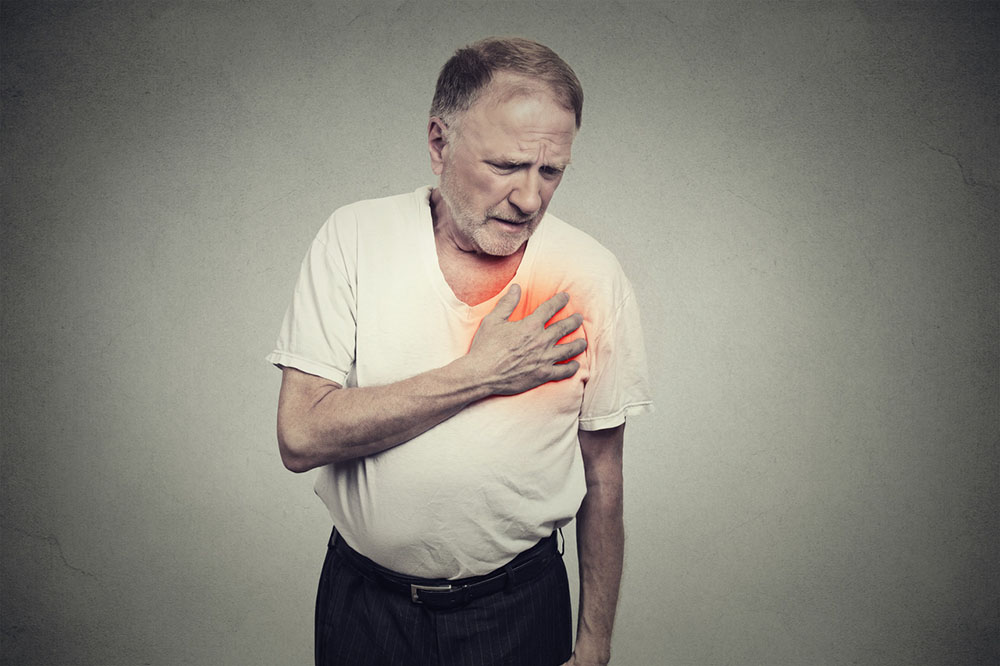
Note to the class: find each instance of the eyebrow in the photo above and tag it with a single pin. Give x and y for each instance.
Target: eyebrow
(513, 162)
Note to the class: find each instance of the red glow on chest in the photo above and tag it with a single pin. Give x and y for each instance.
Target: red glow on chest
(537, 291)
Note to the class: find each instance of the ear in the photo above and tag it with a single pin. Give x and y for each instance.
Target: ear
(437, 143)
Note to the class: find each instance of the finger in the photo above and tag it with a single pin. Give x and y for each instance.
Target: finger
(570, 349)
(564, 327)
(549, 308)
(563, 370)
(508, 302)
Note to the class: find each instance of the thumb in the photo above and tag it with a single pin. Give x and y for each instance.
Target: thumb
(508, 302)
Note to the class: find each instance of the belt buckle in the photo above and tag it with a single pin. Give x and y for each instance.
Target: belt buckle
(415, 589)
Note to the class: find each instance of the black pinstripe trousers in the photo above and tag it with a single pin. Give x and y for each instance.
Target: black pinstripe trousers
(360, 623)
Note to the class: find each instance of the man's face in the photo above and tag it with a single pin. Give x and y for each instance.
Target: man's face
(500, 168)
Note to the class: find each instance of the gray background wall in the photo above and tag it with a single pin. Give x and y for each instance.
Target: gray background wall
(805, 196)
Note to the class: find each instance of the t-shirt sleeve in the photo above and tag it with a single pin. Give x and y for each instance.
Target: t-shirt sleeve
(318, 332)
(618, 385)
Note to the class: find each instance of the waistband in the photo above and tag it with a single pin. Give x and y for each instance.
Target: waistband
(442, 594)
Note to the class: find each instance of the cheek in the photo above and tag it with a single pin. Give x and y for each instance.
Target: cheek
(491, 187)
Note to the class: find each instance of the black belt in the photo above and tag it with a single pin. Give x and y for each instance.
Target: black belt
(443, 594)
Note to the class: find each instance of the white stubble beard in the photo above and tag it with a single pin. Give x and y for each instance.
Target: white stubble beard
(476, 228)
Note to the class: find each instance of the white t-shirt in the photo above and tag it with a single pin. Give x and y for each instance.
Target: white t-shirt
(372, 307)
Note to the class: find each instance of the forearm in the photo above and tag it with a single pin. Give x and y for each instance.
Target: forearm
(600, 550)
(320, 423)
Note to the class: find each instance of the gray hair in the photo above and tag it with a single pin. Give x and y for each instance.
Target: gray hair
(467, 73)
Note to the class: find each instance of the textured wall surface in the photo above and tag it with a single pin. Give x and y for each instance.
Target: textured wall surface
(805, 196)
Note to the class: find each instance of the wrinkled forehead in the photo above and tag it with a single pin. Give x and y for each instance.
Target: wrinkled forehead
(521, 130)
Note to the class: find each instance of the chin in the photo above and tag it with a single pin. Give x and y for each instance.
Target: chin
(504, 246)
(496, 250)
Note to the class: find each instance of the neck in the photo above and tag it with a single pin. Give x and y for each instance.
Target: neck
(473, 276)
(449, 241)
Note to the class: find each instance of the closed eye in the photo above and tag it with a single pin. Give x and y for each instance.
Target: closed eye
(511, 167)
(505, 167)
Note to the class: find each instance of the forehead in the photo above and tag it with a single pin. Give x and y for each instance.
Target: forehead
(518, 117)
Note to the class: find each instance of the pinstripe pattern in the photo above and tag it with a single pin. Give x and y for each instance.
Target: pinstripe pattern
(359, 623)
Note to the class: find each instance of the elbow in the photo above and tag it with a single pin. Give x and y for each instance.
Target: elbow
(302, 450)
(295, 463)
(295, 450)
(306, 435)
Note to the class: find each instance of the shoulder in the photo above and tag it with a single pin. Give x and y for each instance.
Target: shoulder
(579, 256)
(580, 265)
(383, 215)
(566, 244)
(402, 205)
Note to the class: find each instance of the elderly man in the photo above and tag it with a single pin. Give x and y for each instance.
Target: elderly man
(460, 364)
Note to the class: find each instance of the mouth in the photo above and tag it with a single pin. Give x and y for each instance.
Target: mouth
(513, 225)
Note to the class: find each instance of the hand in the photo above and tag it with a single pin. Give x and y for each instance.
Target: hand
(516, 356)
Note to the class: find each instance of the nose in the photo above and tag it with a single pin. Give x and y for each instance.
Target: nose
(526, 196)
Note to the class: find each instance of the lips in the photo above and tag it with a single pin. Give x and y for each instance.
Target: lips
(513, 223)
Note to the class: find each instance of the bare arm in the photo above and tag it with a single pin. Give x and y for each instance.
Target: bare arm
(600, 540)
(319, 422)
